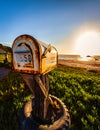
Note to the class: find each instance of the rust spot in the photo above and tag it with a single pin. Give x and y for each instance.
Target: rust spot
(28, 65)
(27, 71)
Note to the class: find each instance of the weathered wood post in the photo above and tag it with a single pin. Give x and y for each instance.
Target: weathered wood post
(41, 94)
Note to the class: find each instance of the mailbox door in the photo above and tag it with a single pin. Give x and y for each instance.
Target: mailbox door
(50, 61)
(26, 55)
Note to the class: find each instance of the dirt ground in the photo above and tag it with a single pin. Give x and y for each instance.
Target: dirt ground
(88, 65)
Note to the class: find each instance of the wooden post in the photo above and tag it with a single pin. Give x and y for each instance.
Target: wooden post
(41, 88)
(29, 81)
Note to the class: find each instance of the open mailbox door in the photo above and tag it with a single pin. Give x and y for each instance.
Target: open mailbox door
(33, 56)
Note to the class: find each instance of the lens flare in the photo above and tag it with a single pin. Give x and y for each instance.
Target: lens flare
(87, 43)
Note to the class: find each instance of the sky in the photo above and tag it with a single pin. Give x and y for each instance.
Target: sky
(72, 26)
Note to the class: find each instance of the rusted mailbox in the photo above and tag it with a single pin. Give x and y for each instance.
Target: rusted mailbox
(35, 59)
(33, 56)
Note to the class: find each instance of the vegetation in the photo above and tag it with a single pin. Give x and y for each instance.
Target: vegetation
(13, 94)
(5, 48)
(77, 88)
(5, 56)
(5, 62)
(80, 91)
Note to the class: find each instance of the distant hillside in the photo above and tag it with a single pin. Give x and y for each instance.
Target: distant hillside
(68, 57)
(78, 57)
(5, 48)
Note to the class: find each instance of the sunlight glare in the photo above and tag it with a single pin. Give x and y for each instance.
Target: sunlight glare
(87, 43)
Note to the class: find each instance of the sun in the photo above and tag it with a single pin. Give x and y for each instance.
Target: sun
(87, 43)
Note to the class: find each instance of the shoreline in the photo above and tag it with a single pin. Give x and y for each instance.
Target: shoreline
(88, 65)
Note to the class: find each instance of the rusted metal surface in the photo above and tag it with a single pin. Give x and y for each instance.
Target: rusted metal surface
(32, 56)
(25, 55)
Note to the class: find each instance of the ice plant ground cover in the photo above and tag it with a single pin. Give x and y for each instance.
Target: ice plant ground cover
(79, 89)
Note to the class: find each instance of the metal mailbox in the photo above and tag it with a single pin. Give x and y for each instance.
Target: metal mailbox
(33, 56)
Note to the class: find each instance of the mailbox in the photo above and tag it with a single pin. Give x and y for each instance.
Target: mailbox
(33, 56)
